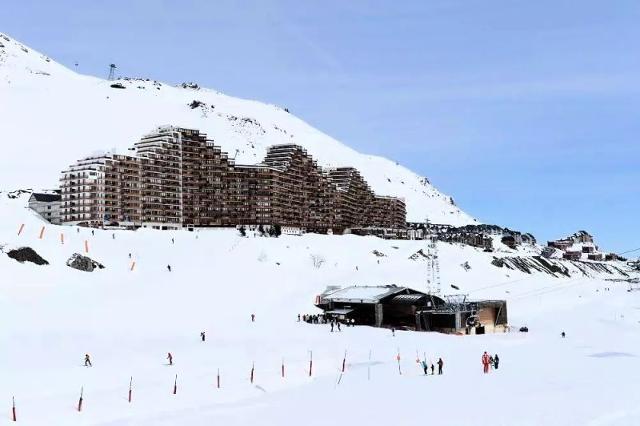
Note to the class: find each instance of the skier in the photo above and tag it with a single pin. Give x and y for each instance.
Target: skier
(93, 232)
(425, 367)
(353, 322)
(440, 364)
(173, 241)
(202, 336)
(253, 317)
(332, 326)
(298, 317)
(129, 255)
(432, 369)
(338, 323)
(169, 268)
(87, 361)
(393, 332)
(485, 362)
(113, 236)
(491, 361)
(496, 361)
(563, 334)
(170, 358)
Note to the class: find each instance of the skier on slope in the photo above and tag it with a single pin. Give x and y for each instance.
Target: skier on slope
(496, 361)
(491, 362)
(87, 361)
(440, 364)
(202, 336)
(432, 369)
(169, 268)
(170, 358)
(425, 367)
(253, 317)
(485, 362)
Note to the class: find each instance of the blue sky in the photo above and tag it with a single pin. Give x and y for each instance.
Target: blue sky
(527, 113)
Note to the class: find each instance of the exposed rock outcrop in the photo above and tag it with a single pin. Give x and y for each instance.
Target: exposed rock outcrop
(26, 254)
(83, 263)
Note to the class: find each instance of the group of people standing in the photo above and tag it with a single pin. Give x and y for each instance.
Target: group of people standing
(425, 367)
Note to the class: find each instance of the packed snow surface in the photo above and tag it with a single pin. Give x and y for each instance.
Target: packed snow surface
(51, 116)
(128, 320)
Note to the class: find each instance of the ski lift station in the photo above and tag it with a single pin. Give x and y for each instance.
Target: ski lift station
(405, 308)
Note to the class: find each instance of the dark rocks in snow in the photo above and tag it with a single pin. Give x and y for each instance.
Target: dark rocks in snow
(26, 254)
(378, 253)
(195, 104)
(83, 263)
(190, 85)
(117, 86)
(18, 192)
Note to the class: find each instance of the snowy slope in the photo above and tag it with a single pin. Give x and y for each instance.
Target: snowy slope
(50, 116)
(128, 320)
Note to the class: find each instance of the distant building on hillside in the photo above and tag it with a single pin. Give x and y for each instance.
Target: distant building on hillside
(46, 205)
(177, 179)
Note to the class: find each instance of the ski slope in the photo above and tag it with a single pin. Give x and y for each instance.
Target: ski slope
(128, 320)
(51, 116)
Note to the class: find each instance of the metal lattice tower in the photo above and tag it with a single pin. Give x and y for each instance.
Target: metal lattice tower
(112, 72)
(433, 262)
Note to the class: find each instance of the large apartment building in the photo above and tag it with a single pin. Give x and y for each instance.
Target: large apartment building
(177, 178)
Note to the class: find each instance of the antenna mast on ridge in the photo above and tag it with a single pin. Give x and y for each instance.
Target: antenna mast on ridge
(112, 72)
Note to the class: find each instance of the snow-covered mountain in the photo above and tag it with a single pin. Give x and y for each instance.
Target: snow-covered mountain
(51, 116)
(128, 315)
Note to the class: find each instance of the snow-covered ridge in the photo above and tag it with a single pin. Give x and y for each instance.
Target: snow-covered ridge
(51, 116)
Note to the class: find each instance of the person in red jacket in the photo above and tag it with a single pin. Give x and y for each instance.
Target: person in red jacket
(485, 361)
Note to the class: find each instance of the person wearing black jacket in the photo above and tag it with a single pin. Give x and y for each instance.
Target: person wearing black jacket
(496, 361)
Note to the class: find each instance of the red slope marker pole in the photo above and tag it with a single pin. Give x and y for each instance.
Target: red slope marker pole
(310, 362)
(86, 246)
(398, 358)
(41, 232)
(130, 384)
(81, 399)
(21, 228)
(175, 385)
(13, 409)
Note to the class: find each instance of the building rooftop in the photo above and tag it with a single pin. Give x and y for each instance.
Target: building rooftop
(46, 198)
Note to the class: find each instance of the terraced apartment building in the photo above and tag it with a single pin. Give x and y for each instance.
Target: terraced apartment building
(177, 179)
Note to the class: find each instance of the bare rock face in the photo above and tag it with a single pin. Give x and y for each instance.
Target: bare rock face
(26, 254)
(83, 263)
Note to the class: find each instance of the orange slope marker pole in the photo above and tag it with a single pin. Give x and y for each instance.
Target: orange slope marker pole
(133, 265)
(175, 385)
(21, 228)
(61, 238)
(41, 232)
(86, 246)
